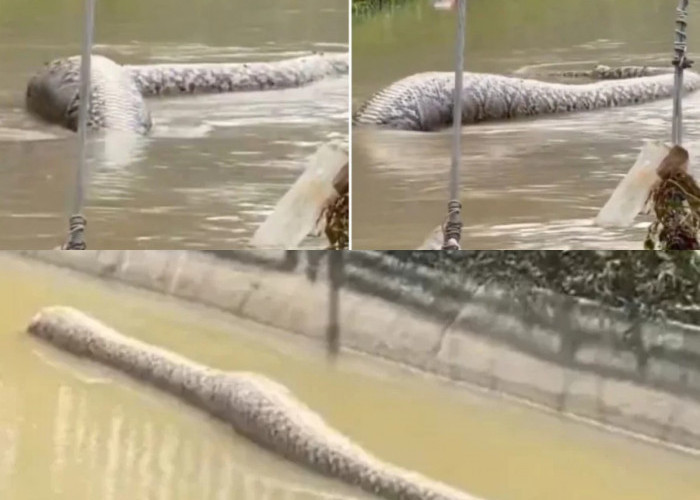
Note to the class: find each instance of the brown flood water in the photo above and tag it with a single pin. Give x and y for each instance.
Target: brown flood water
(526, 184)
(213, 167)
(70, 430)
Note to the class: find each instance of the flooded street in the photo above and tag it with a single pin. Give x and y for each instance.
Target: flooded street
(213, 166)
(72, 430)
(535, 183)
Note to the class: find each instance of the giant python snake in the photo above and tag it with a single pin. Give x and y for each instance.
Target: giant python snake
(118, 91)
(424, 101)
(257, 407)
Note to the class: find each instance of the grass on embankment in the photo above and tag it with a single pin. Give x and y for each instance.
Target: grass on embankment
(366, 8)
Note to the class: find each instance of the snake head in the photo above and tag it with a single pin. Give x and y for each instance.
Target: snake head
(53, 93)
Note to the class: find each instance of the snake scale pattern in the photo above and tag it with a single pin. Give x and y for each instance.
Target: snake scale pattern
(117, 91)
(257, 407)
(424, 101)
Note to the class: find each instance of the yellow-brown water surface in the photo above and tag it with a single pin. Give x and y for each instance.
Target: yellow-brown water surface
(71, 430)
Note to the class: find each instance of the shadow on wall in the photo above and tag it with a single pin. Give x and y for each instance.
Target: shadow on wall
(540, 303)
(310, 261)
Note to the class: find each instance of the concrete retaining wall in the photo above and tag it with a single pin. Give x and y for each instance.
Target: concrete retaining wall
(568, 330)
(566, 354)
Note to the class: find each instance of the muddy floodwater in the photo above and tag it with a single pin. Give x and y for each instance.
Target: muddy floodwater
(213, 167)
(71, 430)
(535, 183)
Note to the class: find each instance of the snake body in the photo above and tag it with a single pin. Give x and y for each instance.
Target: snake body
(600, 72)
(424, 101)
(117, 91)
(257, 407)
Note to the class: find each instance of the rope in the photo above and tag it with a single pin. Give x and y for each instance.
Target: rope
(77, 221)
(76, 228)
(453, 226)
(680, 62)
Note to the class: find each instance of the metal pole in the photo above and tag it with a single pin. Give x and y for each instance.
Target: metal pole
(77, 220)
(335, 276)
(453, 226)
(681, 63)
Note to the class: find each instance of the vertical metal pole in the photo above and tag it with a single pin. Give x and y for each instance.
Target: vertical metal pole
(453, 227)
(681, 63)
(291, 260)
(335, 275)
(77, 220)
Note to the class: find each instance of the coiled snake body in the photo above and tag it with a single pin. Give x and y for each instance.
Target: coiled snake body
(117, 91)
(424, 101)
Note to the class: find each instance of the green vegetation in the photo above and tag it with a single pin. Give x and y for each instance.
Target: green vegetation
(366, 8)
(649, 284)
(677, 214)
(337, 223)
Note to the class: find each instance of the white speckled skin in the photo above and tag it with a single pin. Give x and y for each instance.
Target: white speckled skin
(257, 407)
(424, 101)
(115, 100)
(601, 72)
(168, 79)
(117, 91)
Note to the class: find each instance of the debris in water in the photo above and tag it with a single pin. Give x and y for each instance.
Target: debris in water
(676, 204)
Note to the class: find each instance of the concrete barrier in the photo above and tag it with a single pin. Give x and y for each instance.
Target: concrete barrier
(567, 354)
